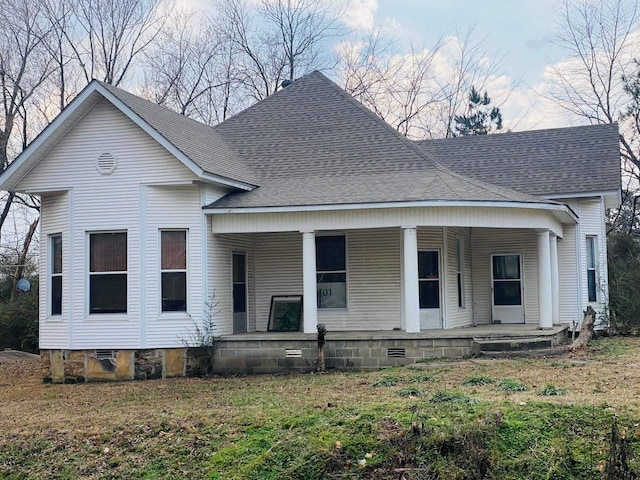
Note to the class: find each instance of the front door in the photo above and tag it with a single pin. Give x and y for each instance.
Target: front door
(429, 289)
(506, 289)
(239, 292)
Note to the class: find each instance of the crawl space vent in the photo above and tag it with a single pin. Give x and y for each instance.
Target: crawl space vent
(105, 354)
(395, 352)
(293, 353)
(106, 163)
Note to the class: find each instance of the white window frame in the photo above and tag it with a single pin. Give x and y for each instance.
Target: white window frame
(173, 313)
(89, 313)
(53, 274)
(593, 252)
(345, 271)
(460, 290)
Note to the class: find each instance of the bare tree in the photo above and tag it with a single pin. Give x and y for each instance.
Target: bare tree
(25, 66)
(278, 40)
(419, 92)
(111, 34)
(600, 39)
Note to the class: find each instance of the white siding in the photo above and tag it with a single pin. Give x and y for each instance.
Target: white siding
(278, 270)
(592, 222)
(459, 317)
(54, 209)
(486, 242)
(373, 278)
(172, 208)
(111, 202)
(568, 276)
(221, 248)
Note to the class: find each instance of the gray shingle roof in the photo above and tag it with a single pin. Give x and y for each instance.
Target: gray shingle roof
(538, 162)
(194, 139)
(313, 144)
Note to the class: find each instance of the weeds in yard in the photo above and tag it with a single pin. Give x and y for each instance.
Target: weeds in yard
(388, 381)
(511, 385)
(477, 380)
(443, 396)
(422, 377)
(409, 392)
(550, 390)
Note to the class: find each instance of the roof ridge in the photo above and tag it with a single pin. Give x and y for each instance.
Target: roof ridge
(517, 133)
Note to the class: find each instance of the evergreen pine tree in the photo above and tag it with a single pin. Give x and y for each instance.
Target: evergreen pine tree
(480, 118)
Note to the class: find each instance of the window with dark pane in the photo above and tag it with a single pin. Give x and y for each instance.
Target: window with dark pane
(507, 282)
(173, 264)
(108, 272)
(331, 270)
(428, 279)
(56, 274)
(591, 268)
(460, 272)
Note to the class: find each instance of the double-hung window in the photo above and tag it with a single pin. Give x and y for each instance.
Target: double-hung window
(108, 272)
(55, 242)
(592, 278)
(173, 270)
(331, 270)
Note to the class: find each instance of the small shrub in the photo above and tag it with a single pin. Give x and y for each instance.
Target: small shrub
(477, 380)
(511, 385)
(409, 392)
(388, 381)
(550, 391)
(442, 396)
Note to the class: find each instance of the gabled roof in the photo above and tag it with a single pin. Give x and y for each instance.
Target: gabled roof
(193, 143)
(553, 162)
(313, 144)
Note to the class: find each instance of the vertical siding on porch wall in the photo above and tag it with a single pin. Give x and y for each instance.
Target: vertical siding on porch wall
(488, 241)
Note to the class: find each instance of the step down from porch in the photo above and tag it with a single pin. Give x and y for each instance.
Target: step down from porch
(510, 345)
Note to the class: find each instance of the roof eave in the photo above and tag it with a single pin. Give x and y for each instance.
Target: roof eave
(562, 212)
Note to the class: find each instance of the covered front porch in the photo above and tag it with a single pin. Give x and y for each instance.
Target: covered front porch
(269, 352)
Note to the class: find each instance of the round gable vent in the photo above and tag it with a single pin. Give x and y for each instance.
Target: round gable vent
(106, 163)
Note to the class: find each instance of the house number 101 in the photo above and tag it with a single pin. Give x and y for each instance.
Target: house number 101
(325, 292)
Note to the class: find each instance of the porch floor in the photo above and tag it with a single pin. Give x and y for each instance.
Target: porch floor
(479, 332)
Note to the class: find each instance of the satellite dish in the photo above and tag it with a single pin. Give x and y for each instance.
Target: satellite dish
(23, 285)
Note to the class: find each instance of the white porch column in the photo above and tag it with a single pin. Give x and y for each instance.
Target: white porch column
(411, 298)
(555, 284)
(545, 302)
(310, 301)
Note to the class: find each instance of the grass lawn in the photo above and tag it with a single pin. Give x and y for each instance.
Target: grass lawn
(501, 419)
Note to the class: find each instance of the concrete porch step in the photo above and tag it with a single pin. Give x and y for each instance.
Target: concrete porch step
(510, 345)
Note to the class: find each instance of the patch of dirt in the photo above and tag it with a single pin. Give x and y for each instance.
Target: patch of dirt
(19, 365)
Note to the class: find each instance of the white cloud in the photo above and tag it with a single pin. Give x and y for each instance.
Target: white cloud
(359, 14)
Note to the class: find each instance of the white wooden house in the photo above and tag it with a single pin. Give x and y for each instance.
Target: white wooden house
(393, 245)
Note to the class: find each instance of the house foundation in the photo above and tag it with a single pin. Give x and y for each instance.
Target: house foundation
(296, 352)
